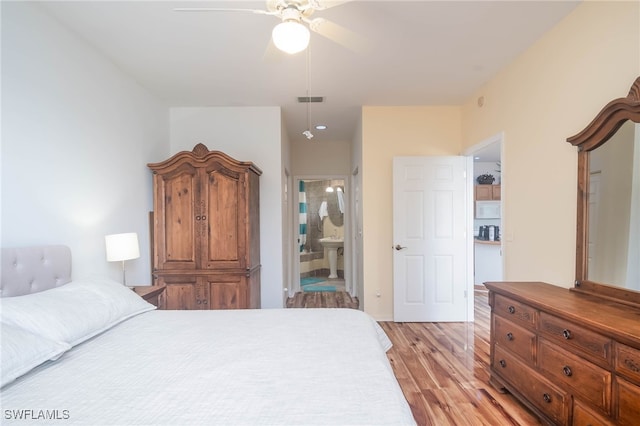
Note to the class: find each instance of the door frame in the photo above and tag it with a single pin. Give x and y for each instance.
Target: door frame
(505, 236)
(295, 228)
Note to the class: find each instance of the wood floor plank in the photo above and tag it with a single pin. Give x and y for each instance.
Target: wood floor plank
(457, 357)
(322, 299)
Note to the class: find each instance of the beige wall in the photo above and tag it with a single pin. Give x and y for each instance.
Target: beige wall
(390, 132)
(550, 92)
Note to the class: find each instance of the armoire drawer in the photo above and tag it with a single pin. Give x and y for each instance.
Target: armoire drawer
(553, 402)
(518, 340)
(628, 362)
(564, 333)
(515, 311)
(588, 380)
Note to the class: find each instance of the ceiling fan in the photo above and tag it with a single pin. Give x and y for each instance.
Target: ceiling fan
(291, 35)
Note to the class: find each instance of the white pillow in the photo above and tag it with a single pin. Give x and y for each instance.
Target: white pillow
(73, 312)
(21, 351)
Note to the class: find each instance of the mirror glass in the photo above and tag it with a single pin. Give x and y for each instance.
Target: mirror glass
(613, 249)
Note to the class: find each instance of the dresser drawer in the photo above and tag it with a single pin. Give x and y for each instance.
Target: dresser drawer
(547, 398)
(517, 312)
(586, 379)
(564, 332)
(628, 402)
(584, 416)
(518, 340)
(628, 362)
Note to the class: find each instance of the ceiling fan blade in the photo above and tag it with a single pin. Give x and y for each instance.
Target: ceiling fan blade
(340, 35)
(326, 4)
(217, 9)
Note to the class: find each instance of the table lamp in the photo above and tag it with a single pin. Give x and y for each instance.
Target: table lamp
(121, 247)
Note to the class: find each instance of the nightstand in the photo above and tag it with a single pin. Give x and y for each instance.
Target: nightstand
(150, 293)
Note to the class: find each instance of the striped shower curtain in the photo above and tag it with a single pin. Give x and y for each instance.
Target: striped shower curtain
(302, 201)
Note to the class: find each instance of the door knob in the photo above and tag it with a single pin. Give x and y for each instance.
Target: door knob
(399, 247)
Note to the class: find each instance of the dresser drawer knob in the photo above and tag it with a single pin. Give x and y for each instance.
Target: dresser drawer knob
(503, 363)
(511, 309)
(566, 334)
(546, 397)
(566, 370)
(509, 336)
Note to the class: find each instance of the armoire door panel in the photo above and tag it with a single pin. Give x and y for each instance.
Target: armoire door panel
(177, 241)
(227, 292)
(226, 226)
(180, 292)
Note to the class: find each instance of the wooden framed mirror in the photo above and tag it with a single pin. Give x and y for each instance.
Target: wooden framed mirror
(608, 222)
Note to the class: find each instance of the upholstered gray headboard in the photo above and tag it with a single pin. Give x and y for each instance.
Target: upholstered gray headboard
(28, 270)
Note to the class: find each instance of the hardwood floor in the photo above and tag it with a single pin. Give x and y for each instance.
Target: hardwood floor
(443, 369)
(323, 299)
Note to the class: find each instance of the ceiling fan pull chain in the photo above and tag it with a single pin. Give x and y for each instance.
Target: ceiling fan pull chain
(307, 132)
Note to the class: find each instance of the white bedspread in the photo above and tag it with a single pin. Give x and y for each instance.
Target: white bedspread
(254, 367)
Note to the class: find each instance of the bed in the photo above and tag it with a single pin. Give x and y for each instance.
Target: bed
(92, 352)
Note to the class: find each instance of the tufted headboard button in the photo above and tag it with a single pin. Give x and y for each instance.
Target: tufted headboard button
(32, 269)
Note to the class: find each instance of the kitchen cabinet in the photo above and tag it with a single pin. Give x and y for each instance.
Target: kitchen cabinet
(487, 192)
(487, 261)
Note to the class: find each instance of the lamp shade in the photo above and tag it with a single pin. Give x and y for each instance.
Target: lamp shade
(122, 246)
(290, 36)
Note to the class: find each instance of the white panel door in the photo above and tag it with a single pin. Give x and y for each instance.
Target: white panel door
(431, 265)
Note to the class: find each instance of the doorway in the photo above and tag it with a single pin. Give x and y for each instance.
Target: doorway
(321, 235)
(488, 229)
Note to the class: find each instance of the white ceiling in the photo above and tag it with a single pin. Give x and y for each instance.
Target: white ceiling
(420, 53)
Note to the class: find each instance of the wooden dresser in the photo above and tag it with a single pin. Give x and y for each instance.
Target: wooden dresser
(574, 359)
(206, 231)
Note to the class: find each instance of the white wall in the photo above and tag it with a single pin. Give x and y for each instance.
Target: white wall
(331, 158)
(76, 137)
(357, 218)
(246, 134)
(287, 214)
(489, 168)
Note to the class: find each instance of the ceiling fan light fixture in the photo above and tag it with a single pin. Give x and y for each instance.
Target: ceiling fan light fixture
(291, 36)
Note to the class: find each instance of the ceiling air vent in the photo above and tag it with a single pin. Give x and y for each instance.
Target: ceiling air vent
(310, 99)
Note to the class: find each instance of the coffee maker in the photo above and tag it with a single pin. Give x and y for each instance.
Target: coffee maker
(489, 233)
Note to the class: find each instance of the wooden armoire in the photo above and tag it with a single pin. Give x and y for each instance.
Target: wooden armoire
(206, 231)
